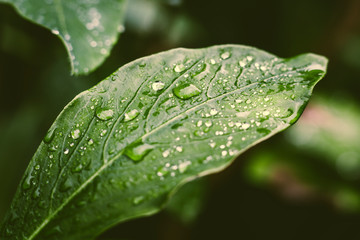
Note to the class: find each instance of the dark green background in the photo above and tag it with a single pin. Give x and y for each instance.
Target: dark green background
(35, 84)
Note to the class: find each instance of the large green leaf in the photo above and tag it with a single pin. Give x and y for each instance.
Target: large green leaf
(118, 150)
(88, 28)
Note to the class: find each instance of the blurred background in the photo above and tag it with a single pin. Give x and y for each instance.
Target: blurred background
(302, 183)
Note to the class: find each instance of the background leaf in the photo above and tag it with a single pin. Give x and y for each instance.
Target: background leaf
(88, 29)
(119, 149)
(187, 203)
(330, 130)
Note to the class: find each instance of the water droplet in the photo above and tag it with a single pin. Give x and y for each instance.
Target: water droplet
(36, 193)
(55, 31)
(166, 153)
(104, 113)
(137, 200)
(157, 86)
(162, 171)
(103, 132)
(27, 182)
(186, 91)
(198, 133)
(314, 66)
(249, 58)
(208, 123)
(183, 166)
(121, 28)
(225, 55)
(53, 148)
(131, 115)
(66, 185)
(103, 51)
(138, 150)
(93, 44)
(75, 134)
(78, 168)
(49, 135)
(179, 68)
(242, 63)
(213, 112)
(179, 148)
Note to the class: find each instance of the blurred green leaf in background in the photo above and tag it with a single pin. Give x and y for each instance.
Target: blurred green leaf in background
(88, 29)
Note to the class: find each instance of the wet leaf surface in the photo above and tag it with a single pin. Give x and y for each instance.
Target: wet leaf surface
(118, 150)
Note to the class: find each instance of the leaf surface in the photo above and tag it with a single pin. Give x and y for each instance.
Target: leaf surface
(118, 150)
(88, 28)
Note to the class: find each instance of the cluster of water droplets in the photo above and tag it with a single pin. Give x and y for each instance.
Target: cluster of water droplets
(248, 113)
(96, 32)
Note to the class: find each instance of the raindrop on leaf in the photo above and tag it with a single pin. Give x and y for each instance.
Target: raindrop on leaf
(131, 115)
(75, 134)
(157, 86)
(138, 150)
(49, 135)
(179, 68)
(104, 113)
(186, 91)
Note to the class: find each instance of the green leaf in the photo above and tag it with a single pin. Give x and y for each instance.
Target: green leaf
(88, 29)
(118, 150)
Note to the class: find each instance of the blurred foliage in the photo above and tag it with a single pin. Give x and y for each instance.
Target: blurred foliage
(188, 202)
(329, 129)
(351, 52)
(88, 29)
(314, 164)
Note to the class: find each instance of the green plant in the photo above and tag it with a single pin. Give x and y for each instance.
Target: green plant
(120, 149)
